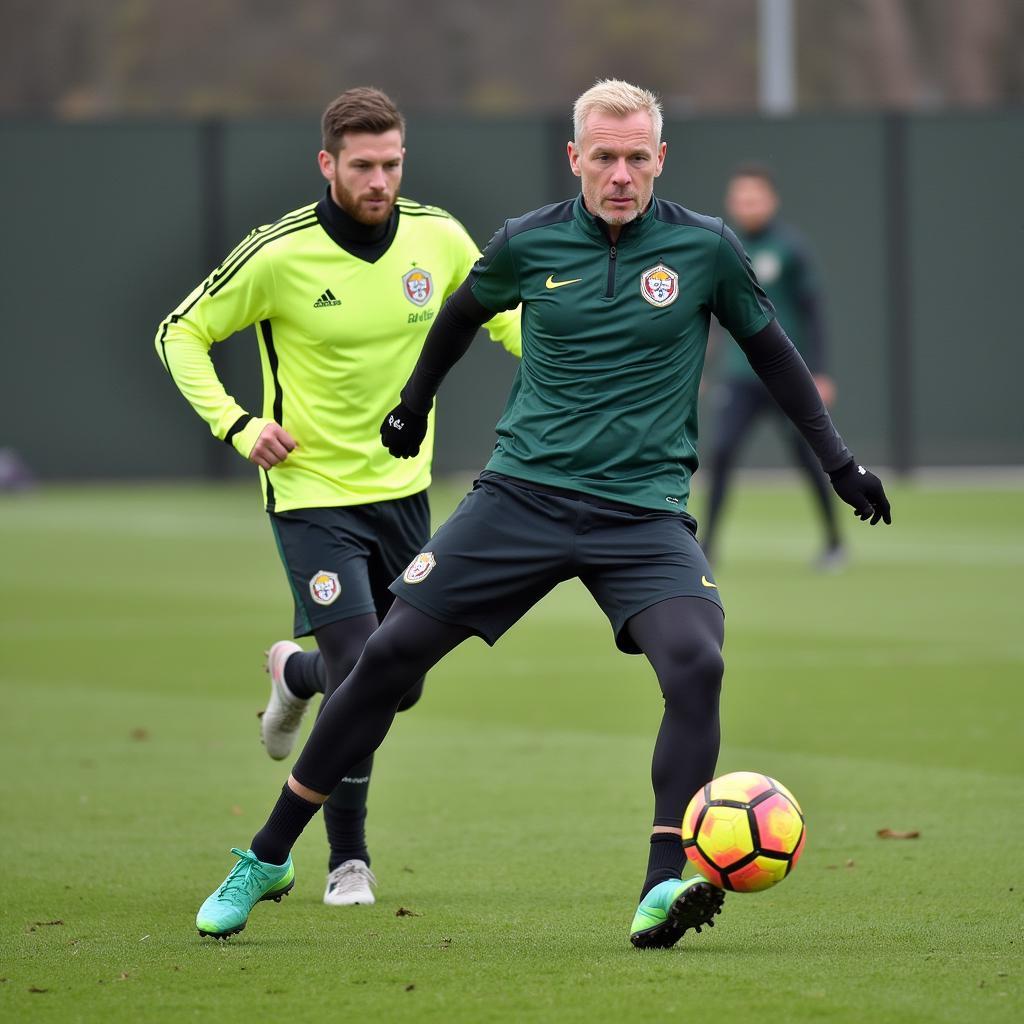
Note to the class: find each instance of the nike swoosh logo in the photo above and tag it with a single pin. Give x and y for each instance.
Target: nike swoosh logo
(707, 583)
(552, 283)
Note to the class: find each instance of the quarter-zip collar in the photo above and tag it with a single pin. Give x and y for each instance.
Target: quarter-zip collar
(597, 229)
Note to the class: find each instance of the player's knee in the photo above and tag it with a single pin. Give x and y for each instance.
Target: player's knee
(691, 669)
(392, 658)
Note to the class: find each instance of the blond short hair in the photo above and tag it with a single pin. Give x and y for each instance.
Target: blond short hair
(613, 96)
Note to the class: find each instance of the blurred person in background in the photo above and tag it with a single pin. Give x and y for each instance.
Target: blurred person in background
(342, 293)
(786, 271)
(589, 479)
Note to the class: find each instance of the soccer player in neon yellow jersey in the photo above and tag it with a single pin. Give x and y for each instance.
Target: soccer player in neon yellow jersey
(342, 293)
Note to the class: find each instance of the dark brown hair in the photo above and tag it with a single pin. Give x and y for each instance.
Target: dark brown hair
(358, 110)
(754, 169)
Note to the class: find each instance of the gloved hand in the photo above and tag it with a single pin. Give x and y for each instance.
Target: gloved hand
(863, 490)
(402, 431)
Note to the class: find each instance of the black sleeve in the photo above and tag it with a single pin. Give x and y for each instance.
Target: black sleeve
(448, 340)
(776, 361)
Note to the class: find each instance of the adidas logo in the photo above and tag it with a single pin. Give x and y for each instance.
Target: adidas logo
(327, 299)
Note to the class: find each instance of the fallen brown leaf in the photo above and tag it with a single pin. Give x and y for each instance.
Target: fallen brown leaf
(892, 833)
(48, 924)
(32, 988)
(406, 912)
(139, 734)
(409, 988)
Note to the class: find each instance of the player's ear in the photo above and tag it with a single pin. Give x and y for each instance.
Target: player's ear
(327, 164)
(574, 158)
(662, 150)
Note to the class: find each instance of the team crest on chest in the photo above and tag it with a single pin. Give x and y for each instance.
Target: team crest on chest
(660, 285)
(325, 587)
(419, 568)
(418, 286)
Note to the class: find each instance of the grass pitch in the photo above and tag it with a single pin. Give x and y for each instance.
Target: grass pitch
(510, 809)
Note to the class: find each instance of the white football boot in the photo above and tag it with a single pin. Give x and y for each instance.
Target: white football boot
(349, 884)
(279, 723)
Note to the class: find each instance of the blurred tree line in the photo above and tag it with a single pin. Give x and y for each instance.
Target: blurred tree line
(83, 59)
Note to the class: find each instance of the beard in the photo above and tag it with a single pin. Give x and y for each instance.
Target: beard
(596, 206)
(357, 208)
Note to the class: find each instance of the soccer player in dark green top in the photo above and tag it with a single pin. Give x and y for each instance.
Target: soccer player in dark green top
(589, 479)
(785, 270)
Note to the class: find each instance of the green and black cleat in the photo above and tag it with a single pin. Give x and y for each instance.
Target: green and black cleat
(671, 909)
(250, 881)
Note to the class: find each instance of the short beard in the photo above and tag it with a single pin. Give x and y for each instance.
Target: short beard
(350, 205)
(620, 218)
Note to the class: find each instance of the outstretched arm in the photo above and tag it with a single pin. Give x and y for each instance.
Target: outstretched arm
(776, 361)
(448, 340)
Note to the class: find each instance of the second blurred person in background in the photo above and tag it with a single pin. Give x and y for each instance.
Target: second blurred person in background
(785, 269)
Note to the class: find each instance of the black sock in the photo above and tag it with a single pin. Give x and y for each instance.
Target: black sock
(665, 860)
(346, 833)
(291, 814)
(345, 815)
(304, 674)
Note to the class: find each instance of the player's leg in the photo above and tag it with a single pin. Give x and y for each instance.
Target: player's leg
(349, 878)
(741, 403)
(325, 552)
(833, 556)
(501, 552)
(682, 638)
(353, 722)
(400, 529)
(652, 580)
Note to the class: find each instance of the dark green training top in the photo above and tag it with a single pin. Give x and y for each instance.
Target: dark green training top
(614, 338)
(785, 269)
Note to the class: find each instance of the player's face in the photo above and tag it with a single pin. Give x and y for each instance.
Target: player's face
(366, 174)
(750, 203)
(617, 159)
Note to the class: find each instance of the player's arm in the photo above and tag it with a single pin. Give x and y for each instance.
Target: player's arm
(743, 309)
(492, 287)
(448, 340)
(505, 327)
(237, 294)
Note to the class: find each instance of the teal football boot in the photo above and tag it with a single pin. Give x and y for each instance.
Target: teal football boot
(671, 908)
(225, 912)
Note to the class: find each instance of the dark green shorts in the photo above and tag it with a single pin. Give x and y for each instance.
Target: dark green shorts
(340, 561)
(507, 545)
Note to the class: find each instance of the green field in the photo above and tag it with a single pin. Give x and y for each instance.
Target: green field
(510, 810)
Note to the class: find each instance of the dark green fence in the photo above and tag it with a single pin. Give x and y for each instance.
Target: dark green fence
(917, 222)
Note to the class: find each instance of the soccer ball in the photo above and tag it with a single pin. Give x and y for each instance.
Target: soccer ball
(744, 832)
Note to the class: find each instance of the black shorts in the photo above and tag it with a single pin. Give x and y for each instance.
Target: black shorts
(340, 561)
(508, 544)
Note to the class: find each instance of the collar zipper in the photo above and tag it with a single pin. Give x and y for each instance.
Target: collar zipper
(610, 291)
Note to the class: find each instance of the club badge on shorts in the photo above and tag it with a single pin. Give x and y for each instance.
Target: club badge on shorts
(418, 286)
(660, 285)
(419, 568)
(325, 587)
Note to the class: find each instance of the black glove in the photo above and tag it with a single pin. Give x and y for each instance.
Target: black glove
(402, 431)
(863, 490)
